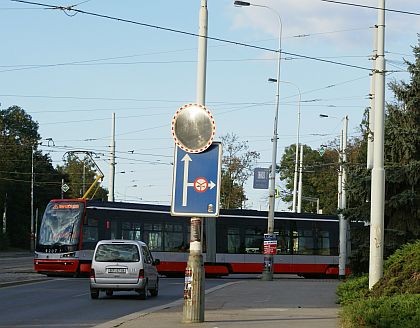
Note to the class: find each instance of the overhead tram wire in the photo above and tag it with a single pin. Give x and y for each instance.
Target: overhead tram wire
(70, 8)
(236, 104)
(93, 62)
(371, 7)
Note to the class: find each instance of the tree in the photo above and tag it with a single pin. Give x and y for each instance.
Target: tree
(79, 175)
(19, 140)
(237, 166)
(402, 156)
(402, 166)
(319, 177)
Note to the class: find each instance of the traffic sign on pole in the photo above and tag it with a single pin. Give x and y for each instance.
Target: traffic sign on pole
(196, 182)
(261, 178)
(65, 188)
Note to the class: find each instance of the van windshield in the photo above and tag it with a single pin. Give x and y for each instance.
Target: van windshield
(117, 253)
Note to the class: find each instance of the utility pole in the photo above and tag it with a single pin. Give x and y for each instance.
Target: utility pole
(84, 177)
(112, 162)
(371, 125)
(342, 177)
(36, 225)
(299, 205)
(62, 188)
(270, 239)
(193, 309)
(32, 246)
(5, 215)
(377, 208)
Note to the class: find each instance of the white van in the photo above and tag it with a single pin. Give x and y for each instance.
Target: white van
(123, 265)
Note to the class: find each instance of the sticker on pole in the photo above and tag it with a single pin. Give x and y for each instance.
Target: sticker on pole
(270, 244)
(193, 128)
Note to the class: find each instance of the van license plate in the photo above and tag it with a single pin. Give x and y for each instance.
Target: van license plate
(117, 270)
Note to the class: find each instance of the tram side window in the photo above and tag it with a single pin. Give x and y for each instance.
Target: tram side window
(234, 240)
(131, 230)
(174, 238)
(253, 240)
(303, 242)
(153, 236)
(324, 243)
(283, 242)
(90, 233)
(114, 229)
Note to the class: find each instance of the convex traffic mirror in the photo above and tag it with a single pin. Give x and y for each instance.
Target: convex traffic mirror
(193, 128)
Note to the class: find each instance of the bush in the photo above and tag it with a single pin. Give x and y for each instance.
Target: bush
(392, 302)
(353, 289)
(401, 273)
(399, 311)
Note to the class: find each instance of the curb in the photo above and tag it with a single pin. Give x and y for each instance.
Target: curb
(133, 316)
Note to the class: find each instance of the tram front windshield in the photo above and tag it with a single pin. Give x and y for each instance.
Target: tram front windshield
(61, 224)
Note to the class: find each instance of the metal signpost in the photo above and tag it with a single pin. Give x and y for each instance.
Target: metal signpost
(193, 129)
(195, 193)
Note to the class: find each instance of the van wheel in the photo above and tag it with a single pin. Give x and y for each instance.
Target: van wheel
(109, 293)
(143, 292)
(155, 291)
(94, 293)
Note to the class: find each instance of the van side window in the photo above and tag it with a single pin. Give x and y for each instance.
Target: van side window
(146, 255)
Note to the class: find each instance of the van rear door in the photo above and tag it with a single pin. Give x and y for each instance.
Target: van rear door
(117, 263)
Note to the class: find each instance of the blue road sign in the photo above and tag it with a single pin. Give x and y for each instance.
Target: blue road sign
(261, 178)
(196, 182)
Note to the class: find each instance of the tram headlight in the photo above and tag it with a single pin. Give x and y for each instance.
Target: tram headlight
(67, 255)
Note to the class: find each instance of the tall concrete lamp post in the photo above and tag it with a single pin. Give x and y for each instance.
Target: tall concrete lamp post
(377, 205)
(341, 197)
(267, 273)
(295, 178)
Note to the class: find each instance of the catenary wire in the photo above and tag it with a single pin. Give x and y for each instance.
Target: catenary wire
(189, 33)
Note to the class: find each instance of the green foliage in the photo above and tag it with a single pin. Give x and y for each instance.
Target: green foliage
(353, 290)
(402, 168)
(237, 164)
(393, 301)
(383, 312)
(402, 272)
(19, 140)
(320, 174)
(79, 174)
(17, 127)
(319, 178)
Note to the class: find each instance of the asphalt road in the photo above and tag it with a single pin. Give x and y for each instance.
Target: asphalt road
(66, 302)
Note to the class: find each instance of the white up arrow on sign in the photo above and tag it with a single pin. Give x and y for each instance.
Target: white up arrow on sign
(187, 159)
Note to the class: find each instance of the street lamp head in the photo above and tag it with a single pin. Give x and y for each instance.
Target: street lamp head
(242, 3)
(272, 80)
(323, 115)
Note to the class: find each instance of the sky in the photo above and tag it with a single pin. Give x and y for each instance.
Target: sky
(70, 71)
